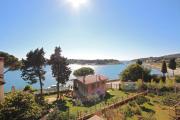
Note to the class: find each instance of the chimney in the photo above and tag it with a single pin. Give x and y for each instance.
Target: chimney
(1, 79)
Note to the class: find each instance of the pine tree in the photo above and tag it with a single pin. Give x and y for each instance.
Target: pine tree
(33, 68)
(60, 69)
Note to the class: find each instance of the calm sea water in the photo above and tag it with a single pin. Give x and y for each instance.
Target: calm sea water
(111, 71)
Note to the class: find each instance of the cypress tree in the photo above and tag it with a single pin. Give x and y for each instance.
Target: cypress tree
(172, 64)
(164, 70)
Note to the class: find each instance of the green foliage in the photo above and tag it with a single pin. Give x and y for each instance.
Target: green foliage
(131, 109)
(84, 71)
(164, 68)
(60, 69)
(161, 84)
(10, 62)
(33, 67)
(96, 62)
(28, 88)
(139, 62)
(20, 106)
(172, 64)
(177, 78)
(59, 115)
(139, 83)
(153, 85)
(135, 108)
(127, 111)
(135, 72)
(156, 78)
(170, 99)
(170, 83)
(141, 100)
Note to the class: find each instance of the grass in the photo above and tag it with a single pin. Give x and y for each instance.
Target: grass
(161, 111)
(152, 108)
(111, 97)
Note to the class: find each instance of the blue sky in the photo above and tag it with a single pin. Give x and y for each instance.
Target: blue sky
(119, 29)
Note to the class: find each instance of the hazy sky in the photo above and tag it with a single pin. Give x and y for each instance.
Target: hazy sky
(119, 29)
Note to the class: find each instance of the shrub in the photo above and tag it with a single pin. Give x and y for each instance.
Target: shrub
(170, 83)
(131, 109)
(20, 106)
(141, 100)
(135, 72)
(136, 109)
(177, 78)
(156, 78)
(28, 88)
(59, 115)
(139, 83)
(161, 84)
(151, 95)
(170, 99)
(127, 111)
(165, 89)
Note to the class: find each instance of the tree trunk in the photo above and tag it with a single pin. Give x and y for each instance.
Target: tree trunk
(173, 73)
(41, 86)
(58, 95)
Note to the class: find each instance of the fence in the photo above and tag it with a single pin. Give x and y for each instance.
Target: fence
(114, 103)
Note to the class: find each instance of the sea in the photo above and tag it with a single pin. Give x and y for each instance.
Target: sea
(13, 78)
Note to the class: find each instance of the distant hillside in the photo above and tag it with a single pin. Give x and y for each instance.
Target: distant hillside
(158, 59)
(94, 62)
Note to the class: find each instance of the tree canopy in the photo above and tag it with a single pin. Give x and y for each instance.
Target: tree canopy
(164, 67)
(20, 106)
(10, 62)
(139, 62)
(60, 69)
(84, 71)
(135, 72)
(33, 67)
(172, 64)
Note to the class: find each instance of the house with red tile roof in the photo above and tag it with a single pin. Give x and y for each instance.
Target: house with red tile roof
(90, 85)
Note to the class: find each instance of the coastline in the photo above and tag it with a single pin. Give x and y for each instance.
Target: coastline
(158, 67)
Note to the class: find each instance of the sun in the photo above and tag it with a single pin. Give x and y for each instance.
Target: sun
(76, 4)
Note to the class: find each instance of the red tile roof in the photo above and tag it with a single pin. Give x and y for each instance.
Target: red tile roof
(92, 79)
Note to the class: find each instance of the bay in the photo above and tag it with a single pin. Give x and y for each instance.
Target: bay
(13, 78)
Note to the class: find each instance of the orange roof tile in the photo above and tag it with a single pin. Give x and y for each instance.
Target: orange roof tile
(92, 79)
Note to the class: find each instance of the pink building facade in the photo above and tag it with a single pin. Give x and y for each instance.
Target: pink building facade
(84, 87)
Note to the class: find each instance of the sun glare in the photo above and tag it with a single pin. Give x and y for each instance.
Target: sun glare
(76, 4)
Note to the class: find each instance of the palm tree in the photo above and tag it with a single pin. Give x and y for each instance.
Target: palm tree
(33, 68)
(60, 69)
